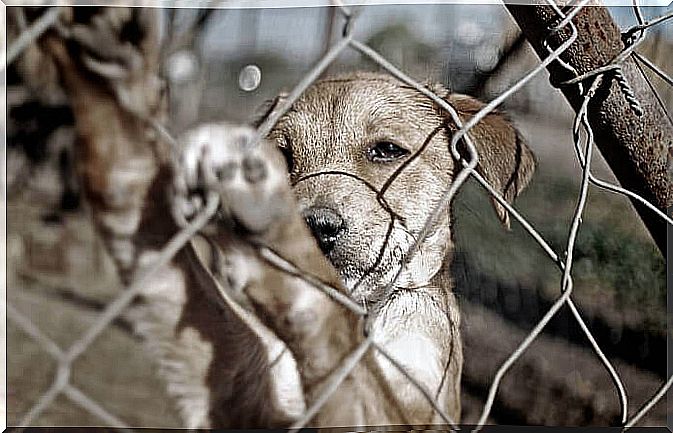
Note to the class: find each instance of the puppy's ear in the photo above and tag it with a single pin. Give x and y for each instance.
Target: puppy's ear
(267, 108)
(505, 160)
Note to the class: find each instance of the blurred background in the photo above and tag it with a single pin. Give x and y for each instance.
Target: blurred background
(223, 64)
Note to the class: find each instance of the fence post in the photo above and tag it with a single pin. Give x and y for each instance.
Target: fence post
(637, 148)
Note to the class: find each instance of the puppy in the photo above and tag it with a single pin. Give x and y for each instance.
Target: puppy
(242, 335)
(369, 159)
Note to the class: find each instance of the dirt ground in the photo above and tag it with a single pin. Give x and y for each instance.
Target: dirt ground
(61, 280)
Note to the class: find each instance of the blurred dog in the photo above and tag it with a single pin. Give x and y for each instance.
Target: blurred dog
(368, 158)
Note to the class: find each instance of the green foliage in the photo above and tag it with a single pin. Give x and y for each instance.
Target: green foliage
(611, 259)
(615, 259)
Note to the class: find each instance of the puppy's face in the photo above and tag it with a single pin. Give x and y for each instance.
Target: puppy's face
(369, 159)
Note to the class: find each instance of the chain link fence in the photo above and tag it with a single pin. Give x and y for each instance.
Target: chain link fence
(583, 138)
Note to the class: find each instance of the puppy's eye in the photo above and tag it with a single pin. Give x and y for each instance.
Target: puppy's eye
(286, 150)
(386, 151)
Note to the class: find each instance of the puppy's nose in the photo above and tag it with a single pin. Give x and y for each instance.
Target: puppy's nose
(326, 225)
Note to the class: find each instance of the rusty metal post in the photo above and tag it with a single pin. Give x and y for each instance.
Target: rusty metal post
(637, 147)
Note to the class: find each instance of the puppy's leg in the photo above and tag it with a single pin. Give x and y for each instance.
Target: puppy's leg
(270, 241)
(216, 366)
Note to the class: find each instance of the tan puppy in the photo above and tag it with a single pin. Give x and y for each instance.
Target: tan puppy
(368, 159)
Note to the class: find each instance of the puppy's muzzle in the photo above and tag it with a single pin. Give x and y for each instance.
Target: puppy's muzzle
(326, 226)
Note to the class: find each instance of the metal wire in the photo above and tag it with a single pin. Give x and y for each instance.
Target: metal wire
(566, 281)
(656, 69)
(112, 311)
(636, 34)
(649, 404)
(333, 383)
(29, 35)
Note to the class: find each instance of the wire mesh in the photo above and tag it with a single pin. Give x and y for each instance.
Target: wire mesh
(583, 145)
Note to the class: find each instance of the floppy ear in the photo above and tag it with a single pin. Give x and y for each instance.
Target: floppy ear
(267, 108)
(505, 161)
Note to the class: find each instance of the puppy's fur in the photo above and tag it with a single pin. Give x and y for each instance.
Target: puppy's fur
(241, 341)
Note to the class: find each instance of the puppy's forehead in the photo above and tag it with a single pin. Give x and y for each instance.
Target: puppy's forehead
(361, 98)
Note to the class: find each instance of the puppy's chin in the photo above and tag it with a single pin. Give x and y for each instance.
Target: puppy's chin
(367, 273)
(356, 270)
(364, 274)
(350, 268)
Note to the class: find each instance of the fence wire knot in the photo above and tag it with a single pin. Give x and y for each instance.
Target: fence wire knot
(628, 93)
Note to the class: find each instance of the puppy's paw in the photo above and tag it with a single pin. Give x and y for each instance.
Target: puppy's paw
(118, 47)
(103, 46)
(249, 177)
